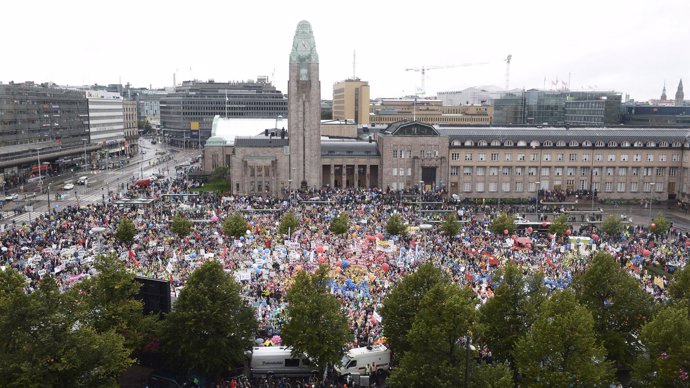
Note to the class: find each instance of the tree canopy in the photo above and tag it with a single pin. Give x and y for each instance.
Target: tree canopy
(450, 225)
(210, 326)
(181, 226)
(559, 225)
(340, 224)
(310, 302)
(288, 223)
(125, 230)
(395, 225)
(503, 222)
(660, 224)
(612, 225)
(235, 225)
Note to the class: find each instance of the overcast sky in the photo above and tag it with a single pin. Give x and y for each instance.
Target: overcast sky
(631, 46)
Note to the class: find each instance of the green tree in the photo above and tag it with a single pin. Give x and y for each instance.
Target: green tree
(401, 305)
(210, 326)
(503, 222)
(396, 226)
(181, 226)
(288, 223)
(612, 226)
(618, 305)
(561, 350)
(235, 225)
(340, 224)
(46, 343)
(450, 225)
(310, 302)
(436, 357)
(219, 174)
(679, 289)
(667, 362)
(559, 225)
(508, 316)
(108, 302)
(496, 375)
(660, 224)
(125, 230)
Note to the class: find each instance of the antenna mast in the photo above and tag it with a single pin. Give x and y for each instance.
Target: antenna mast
(508, 58)
(354, 64)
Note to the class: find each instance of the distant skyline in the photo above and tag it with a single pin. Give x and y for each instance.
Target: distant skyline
(631, 46)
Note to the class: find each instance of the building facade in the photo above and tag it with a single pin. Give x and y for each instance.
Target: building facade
(657, 116)
(351, 101)
(187, 114)
(41, 122)
(107, 121)
(388, 111)
(130, 127)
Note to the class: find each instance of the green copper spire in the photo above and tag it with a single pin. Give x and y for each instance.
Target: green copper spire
(303, 45)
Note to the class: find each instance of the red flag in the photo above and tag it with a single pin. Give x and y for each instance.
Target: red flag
(468, 276)
(549, 262)
(170, 278)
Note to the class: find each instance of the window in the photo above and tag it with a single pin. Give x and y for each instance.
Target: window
(586, 143)
(493, 171)
(609, 171)
(633, 187)
(548, 143)
(647, 187)
(468, 156)
(482, 157)
(673, 171)
(613, 144)
(675, 157)
(531, 186)
(560, 143)
(409, 171)
(637, 144)
(292, 362)
(518, 187)
(505, 187)
(647, 171)
(493, 187)
(660, 171)
(625, 144)
(467, 187)
(482, 143)
(547, 157)
(508, 143)
(495, 143)
(558, 171)
(559, 157)
(635, 171)
(571, 171)
(518, 171)
(395, 172)
(584, 171)
(467, 171)
(651, 144)
(480, 187)
(395, 153)
(469, 143)
(596, 171)
(608, 187)
(573, 157)
(454, 171)
(599, 143)
(508, 156)
(611, 158)
(659, 187)
(531, 171)
(650, 157)
(506, 171)
(481, 171)
(455, 156)
(662, 157)
(494, 156)
(574, 143)
(585, 157)
(545, 171)
(622, 171)
(598, 157)
(637, 158)
(624, 157)
(621, 187)
(520, 157)
(533, 157)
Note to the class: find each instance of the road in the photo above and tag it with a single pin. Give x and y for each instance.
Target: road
(99, 183)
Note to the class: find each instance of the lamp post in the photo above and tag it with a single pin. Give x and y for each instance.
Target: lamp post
(651, 197)
(84, 141)
(38, 152)
(536, 208)
(421, 194)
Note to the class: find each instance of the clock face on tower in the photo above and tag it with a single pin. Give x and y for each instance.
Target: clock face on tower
(303, 48)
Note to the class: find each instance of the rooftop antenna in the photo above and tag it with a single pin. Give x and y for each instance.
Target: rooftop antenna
(508, 58)
(354, 64)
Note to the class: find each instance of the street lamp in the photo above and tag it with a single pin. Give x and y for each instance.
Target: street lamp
(536, 202)
(421, 193)
(38, 152)
(651, 196)
(84, 141)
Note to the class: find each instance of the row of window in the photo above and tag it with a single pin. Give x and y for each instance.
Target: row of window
(547, 157)
(559, 171)
(407, 154)
(562, 143)
(519, 187)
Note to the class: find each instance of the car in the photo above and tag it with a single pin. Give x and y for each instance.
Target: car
(68, 186)
(12, 197)
(82, 180)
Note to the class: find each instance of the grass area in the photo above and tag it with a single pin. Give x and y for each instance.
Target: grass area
(221, 186)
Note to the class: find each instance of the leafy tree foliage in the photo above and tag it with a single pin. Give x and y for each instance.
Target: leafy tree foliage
(235, 225)
(496, 375)
(618, 305)
(509, 315)
(396, 226)
(288, 223)
(125, 230)
(450, 225)
(667, 363)
(660, 224)
(315, 325)
(109, 303)
(503, 222)
(559, 225)
(612, 226)
(46, 343)
(679, 289)
(402, 304)
(219, 174)
(436, 357)
(181, 226)
(561, 350)
(340, 224)
(210, 326)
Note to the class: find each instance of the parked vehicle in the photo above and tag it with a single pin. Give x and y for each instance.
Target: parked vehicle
(82, 180)
(68, 186)
(278, 361)
(12, 197)
(355, 361)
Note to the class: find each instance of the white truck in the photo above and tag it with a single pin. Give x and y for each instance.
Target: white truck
(278, 361)
(355, 361)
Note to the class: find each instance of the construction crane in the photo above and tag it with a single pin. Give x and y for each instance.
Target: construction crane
(507, 60)
(424, 69)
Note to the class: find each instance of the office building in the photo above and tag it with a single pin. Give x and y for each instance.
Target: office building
(107, 121)
(351, 101)
(130, 127)
(391, 110)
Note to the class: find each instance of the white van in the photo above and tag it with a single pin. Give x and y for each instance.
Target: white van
(355, 361)
(82, 180)
(277, 361)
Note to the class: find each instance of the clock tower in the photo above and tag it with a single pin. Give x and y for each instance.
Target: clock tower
(304, 111)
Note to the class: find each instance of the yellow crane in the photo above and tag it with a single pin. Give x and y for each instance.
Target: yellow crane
(424, 69)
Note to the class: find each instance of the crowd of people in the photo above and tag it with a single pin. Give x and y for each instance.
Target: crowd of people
(366, 262)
